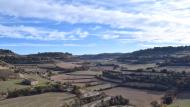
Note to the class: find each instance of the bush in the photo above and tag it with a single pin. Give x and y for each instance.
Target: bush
(155, 104)
(118, 100)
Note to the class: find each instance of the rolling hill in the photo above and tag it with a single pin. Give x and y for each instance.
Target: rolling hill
(47, 57)
(155, 55)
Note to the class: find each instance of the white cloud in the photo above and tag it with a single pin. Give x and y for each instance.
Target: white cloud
(107, 36)
(47, 45)
(27, 44)
(158, 21)
(40, 33)
(80, 45)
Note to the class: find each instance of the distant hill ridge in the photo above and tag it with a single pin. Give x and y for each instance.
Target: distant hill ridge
(157, 53)
(51, 54)
(5, 52)
(162, 50)
(101, 56)
(54, 55)
(141, 56)
(45, 57)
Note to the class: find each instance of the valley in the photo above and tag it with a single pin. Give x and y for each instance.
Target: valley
(146, 78)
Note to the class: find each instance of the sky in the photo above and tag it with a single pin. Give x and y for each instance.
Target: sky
(93, 26)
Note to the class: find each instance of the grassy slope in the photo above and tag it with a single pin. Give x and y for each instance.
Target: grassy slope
(36, 77)
(181, 103)
(42, 100)
(11, 85)
(183, 100)
(15, 83)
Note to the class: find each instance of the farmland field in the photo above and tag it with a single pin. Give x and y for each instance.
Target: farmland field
(141, 98)
(67, 65)
(138, 66)
(32, 68)
(42, 100)
(87, 73)
(79, 80)
(13, 84)
(176, 68)
(181, 103)
(102, 86)
(70, 77)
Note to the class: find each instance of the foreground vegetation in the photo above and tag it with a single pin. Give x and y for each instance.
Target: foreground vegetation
(181, 103)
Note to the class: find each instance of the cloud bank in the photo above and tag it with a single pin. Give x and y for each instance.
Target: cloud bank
(157, 21)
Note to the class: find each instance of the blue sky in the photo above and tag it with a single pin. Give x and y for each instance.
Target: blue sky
(92, 26)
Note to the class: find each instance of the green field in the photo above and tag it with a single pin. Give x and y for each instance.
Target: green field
(42, 100)
(181, 103)
(183, 100)
(13, 84)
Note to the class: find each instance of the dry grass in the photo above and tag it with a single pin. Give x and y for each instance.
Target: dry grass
(79, 80)
(69, 77)
(11, 85)
(102, 86)
(138, 66)
(87, 73)
(42, 100)
(141, 98)
(67, 65)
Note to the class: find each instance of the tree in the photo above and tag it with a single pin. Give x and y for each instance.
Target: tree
(168, 100)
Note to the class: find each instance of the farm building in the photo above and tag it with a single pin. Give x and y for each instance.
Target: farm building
(30, 81)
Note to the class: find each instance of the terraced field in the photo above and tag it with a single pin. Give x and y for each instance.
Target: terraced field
(141, 98)
(67, 65)
(93, 73)
(137, 66)
(80, 78)
(101, 87)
